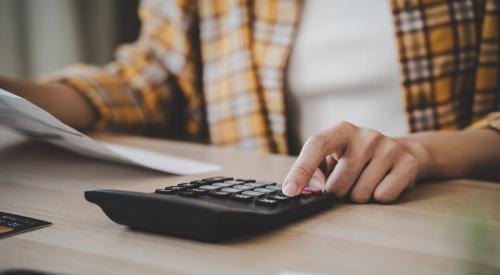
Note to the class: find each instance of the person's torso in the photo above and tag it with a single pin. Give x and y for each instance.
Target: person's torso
(344, 67)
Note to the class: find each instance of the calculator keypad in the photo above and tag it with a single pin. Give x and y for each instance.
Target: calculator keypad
(241, 197)
(253, 193)
(199, 191)
(209, 187)
(266, 201)
(219, 194)
(231, 190)
(264, 193)
(279, 197)
(242, 187)
(264, 190)
(223, 184)
(255, 185)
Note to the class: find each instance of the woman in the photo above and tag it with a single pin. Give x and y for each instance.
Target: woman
(217, 71)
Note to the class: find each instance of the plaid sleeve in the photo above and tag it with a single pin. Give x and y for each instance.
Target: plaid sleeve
(486, 106)
(449, 61)
(492, 120)
(132, 92)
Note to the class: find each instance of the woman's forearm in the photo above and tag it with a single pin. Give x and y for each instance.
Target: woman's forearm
(468, 153)
(60, 100)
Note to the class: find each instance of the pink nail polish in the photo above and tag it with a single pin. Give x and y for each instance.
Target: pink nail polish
(312, 190)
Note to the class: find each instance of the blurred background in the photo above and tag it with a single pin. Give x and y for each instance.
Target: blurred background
(42, 36)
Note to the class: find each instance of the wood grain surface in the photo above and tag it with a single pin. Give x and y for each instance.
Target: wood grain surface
(449, 227)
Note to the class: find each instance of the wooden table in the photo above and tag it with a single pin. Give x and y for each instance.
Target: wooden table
(436, 228)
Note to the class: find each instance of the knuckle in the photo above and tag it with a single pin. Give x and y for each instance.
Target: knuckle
(346, 126)
(409, 163)
(318, 140)
(392, 144)
(372, 139)
(392, 148)
(373, 135)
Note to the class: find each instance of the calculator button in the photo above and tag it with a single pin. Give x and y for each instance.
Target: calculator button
(219, 194)
(267, 202)
(215, 179)
(279, 193)
(274, 187)
(246, 180)
(165, 192)
(198, 182)
(254, 185)
(234, 182)
(241, 197)
(253, 194)
(279, 197)
(242, 187)
(265, 183)
(264, 190)
(231, 190)
(223, 184)
(175, 188)
(199, 191)
(187, 185)
(209, 187)
(188, 194)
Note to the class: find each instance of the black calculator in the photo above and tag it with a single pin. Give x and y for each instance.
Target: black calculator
(212, 209)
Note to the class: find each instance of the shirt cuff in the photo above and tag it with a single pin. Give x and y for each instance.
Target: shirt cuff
(491, 121)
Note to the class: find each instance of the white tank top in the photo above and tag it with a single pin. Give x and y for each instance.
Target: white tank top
(344, 66)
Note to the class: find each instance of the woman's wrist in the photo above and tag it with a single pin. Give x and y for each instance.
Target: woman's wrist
(422, 154)
(466, 153)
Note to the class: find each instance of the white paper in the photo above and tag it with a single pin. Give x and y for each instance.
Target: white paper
(32, 121)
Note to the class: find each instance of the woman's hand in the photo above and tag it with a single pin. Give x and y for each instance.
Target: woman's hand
(357, 162)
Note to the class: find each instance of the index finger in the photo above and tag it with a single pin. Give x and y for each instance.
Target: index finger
(314, 151)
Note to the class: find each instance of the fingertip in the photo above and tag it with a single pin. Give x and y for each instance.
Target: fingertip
(383, 195)
(290, 189)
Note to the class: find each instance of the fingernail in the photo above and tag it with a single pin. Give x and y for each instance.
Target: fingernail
(290, 189)
(316, 184)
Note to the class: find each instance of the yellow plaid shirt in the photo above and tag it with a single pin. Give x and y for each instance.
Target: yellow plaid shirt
(214, 70)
